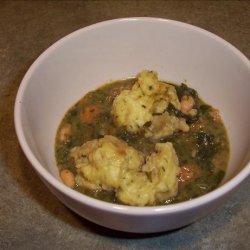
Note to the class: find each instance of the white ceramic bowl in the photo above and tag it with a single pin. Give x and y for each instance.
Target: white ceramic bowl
(121, 48)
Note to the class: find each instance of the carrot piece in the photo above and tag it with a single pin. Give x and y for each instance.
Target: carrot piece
(188, 173)
(89, 114)
(215, 114)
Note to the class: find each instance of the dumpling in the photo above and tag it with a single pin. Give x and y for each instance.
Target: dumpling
(148, 97)
(111, 164)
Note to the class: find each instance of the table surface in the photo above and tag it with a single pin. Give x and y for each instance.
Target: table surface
(30, 216)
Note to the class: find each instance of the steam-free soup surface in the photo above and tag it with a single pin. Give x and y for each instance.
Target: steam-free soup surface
(202, 148)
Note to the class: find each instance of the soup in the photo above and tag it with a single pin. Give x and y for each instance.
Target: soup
(142, 142)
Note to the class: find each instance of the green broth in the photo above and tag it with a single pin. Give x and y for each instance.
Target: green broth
(206, 144)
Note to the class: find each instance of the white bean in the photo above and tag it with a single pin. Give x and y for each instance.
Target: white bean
(65, 132)
(68, 178)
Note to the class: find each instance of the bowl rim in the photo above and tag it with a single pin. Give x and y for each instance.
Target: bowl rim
(117, 208)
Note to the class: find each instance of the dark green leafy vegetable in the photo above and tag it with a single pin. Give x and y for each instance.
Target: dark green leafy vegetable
(207, 147)
(183, 89)
(203, 109)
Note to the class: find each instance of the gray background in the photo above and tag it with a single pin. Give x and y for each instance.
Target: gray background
(30, 216)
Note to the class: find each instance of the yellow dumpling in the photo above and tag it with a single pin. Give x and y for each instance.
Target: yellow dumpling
(102, 163)
(148, 82)
(163, 166)
(148, 96)
(132, 109)
(156, 182)
(111, 164)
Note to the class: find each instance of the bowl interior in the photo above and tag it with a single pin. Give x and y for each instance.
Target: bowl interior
(119, 49)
